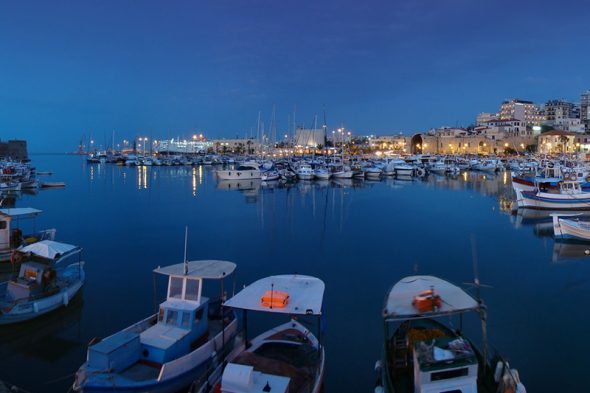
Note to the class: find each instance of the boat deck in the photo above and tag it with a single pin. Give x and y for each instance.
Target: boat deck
(291, 356)
(142, 371)
(400, 362)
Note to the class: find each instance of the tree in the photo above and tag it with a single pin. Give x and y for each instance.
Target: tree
(509, 151)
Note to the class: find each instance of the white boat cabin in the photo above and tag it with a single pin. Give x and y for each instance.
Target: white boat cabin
(11, 236)
(570, 187)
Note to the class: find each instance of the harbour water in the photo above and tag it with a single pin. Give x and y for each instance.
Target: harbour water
(360, 237)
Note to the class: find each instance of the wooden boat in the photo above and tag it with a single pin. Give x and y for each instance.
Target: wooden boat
(55, 184)
(421, 354)
(42, 284)
(187, 340)
(568, 196)
(570, 227)
(287, 358)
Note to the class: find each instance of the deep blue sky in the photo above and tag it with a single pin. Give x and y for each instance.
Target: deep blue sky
(162, 68)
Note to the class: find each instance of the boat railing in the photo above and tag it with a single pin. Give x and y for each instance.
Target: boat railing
(212, 367)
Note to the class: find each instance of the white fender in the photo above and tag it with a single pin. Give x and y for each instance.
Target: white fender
(66, 298)
(35, 307)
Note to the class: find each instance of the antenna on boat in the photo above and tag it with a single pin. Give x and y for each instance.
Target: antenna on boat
(185, 261)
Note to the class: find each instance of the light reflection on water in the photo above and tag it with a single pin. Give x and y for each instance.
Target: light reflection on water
(360, 237)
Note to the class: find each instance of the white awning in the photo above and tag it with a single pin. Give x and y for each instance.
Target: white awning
(21, 212)
(49, 249)
(398, 304)
(208, 269)
(305, 293)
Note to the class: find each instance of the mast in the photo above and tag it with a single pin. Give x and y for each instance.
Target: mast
(185, 244)
(273, 126)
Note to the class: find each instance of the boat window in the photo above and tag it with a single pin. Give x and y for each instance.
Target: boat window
(2, 224)
(192, 290)
(161, 314)
(198, 315)
(186, 317)
(171, 317)
(456, 373)
(175, 290)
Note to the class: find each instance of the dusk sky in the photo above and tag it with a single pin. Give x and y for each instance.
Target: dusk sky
(168, 68)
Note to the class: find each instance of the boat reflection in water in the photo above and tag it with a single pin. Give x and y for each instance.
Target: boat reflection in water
(564, 251)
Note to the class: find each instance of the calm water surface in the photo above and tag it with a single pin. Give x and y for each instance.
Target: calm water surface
(359, 237)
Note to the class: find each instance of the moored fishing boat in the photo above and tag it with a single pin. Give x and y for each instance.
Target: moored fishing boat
(570, 227)
(568, 196)
(287, 358)
(42, 284)
(187, 340)
(423, 355)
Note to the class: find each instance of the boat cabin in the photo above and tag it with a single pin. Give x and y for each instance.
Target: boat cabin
(11, 235)
(182, 321)
(33, 279)
(570, 187)
(38, 274)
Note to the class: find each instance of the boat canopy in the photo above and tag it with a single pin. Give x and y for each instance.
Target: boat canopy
(206, 269)
(50, 249)
(21, 212)
(295, 295)
(398, 304)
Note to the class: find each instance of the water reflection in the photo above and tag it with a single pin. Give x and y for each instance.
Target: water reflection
(564, 251)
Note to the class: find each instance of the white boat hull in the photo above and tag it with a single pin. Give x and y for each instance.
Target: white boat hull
(541, 200)
(564, 228)
(239, 175)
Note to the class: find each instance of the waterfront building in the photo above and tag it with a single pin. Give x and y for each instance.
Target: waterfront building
(181, 146)
(395, 143)
(310, 137)
(14, 149)
(558, 110)
(510, 128)
(585, 109)
(238, 146)
(522, 110)
(557, 141)
(485, 117)
(569, 124)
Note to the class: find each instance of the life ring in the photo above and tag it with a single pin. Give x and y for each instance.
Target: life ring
(427, 301)
(550, 165)
(16, 257)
